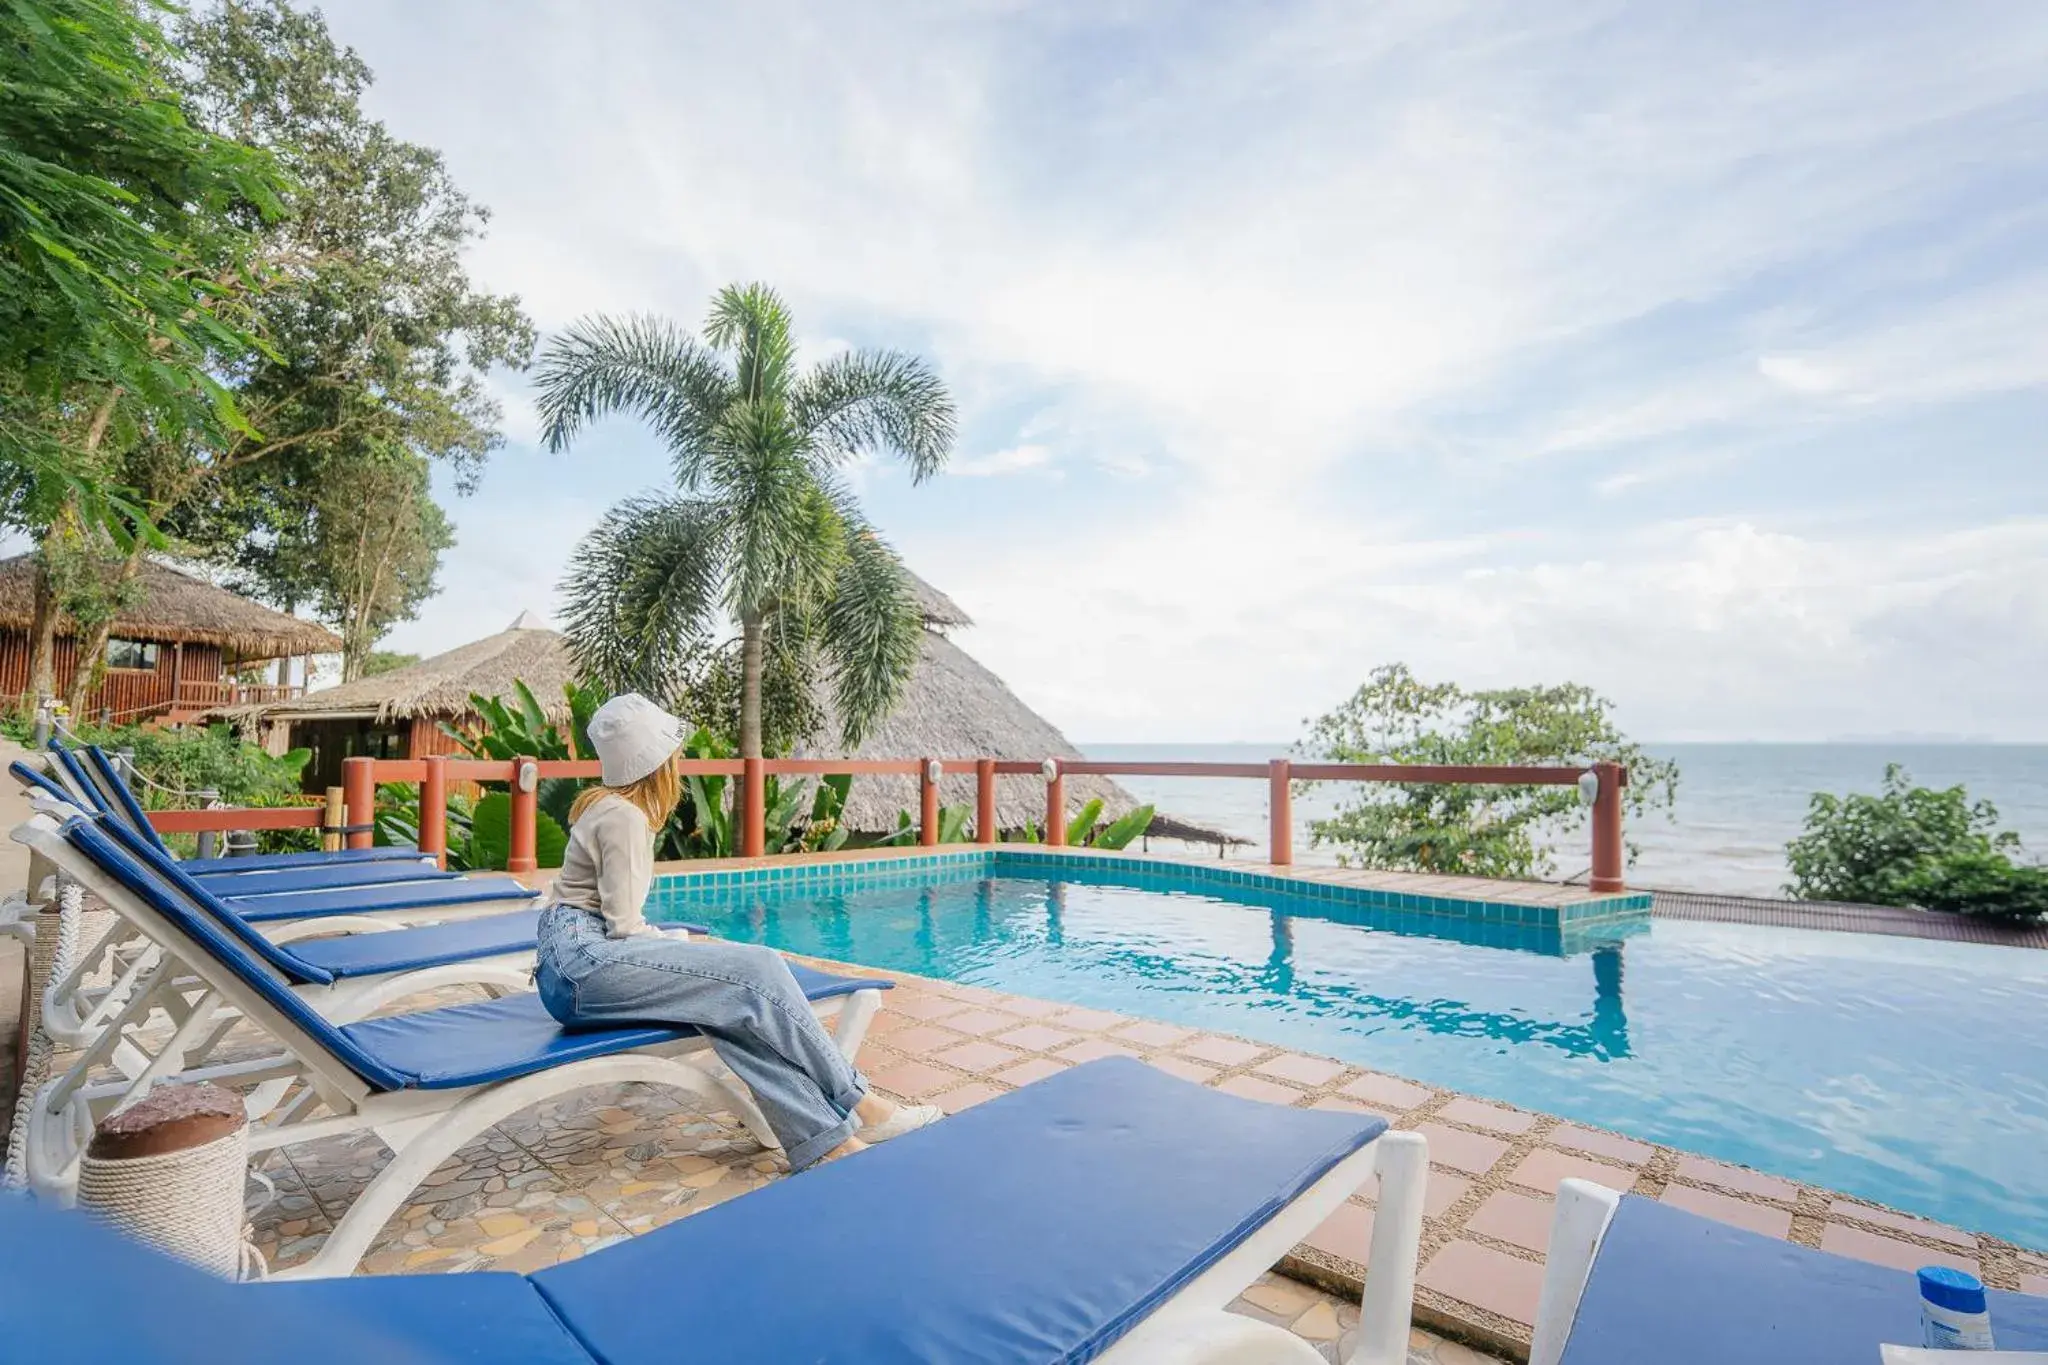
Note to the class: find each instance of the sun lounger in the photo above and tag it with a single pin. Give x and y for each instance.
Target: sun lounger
(1107, 1213)
(425, 1082)
(74, 1011)
(1631, 1280)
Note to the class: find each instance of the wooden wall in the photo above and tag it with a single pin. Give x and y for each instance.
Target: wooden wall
(127, 692)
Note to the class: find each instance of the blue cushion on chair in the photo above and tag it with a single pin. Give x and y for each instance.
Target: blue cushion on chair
(1038, 1227)
(258, 881)
(1677, 1289)
(78, 1292)
(496, 1040)
(356, 900)
(404, 950)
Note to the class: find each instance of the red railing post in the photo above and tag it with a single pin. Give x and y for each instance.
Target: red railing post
(753, 808)
(984, 800)
(1607, 844)
(928, 802)
(1055, 804)
(520, 853)
(1280, 801)
(434, 810)
(359, 795)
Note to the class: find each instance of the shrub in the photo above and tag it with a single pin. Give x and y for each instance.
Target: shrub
(1909, 845)
(174, 763)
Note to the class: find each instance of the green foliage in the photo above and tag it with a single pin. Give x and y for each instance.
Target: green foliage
(521, 728)
(798, 817)
(1083, 823)
(123, 244)
(762, 528)
(489, 844)
(192, 760)
(1913, 845)
(381, 661)
(1472, 830)
(1119, 833)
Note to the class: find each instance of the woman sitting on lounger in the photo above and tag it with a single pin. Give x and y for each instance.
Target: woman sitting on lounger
(601, 962)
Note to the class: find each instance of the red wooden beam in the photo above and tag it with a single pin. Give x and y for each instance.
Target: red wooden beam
(236, 817)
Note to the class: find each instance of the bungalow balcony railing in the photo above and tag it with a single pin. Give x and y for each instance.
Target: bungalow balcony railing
(206, 693)
(351, 812)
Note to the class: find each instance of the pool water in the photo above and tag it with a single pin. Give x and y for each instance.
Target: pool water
(1909, 1072)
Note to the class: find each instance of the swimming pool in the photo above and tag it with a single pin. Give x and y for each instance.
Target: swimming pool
(1910, 1072)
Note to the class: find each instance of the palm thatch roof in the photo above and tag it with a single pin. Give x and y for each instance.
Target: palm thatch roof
(939, 610)
(526, 651)
(178, 607)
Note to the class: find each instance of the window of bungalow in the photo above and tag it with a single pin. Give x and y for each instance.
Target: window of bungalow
(135, 654)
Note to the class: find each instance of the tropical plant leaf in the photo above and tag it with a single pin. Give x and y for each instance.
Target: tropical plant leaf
(1083, 823)
(1119, 833)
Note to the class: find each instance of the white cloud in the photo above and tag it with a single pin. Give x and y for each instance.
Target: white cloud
(1332, 278)
(1013, 460)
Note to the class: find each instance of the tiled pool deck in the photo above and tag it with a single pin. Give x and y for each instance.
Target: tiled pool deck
(567, 1177)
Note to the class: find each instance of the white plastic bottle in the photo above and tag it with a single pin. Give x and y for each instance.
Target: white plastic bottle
(1953, 1313)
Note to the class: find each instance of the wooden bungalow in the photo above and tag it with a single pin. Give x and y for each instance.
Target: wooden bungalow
(400, 714)
(175, 655)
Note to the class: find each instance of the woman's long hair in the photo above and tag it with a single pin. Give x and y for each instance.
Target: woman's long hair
(655, 795)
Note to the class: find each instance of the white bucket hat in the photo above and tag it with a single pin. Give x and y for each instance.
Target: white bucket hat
(632, 737)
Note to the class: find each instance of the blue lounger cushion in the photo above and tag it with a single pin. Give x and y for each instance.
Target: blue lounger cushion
(1040, 1226)
(495, 1040)
(431, 945)
(78, 1292)
(262, 881)
(356, 900)
(1678, 1289)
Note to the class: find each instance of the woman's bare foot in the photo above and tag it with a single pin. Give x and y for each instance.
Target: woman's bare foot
(846, 1148)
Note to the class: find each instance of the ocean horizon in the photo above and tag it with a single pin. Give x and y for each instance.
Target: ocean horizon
(1737, 804)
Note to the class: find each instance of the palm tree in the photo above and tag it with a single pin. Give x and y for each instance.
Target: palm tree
(761, 528)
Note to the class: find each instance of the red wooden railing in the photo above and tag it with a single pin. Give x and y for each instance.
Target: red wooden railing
(209, 692)
(361, 776)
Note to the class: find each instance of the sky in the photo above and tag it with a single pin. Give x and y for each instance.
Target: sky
(1695, 352)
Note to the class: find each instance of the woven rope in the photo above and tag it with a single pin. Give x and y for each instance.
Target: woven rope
(50, 960)
(189, 1203)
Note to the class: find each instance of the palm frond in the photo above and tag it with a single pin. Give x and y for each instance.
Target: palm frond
(642, 590)
(869, 633)
(640, 365)
(877, 401)
(752, 322)
(782, 528)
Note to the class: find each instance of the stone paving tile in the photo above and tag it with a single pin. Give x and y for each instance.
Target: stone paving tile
(1485, 1278)
(1728, 1209)
(912, 1080)
(1328, 1322)
(1024, 1073)
(1471, 1153)
(966, 1096)
(1494, 1118)
(982, 1021)
(1253, 1088)
(1737, 1178)
(1899, 1222)
(1515, 1218)
(1094, 1050)
(1891, 1251)
(1292, 1066)
(1185, 1069)
(1145, 1033)
(1388, 1091)
(923, 1038)
(1038, 1038)
(1598, 1143)
(1543, 1168)
(1222, 1051)
(978, 1056)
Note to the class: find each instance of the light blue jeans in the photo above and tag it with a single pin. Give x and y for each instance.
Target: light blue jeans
(741, 995)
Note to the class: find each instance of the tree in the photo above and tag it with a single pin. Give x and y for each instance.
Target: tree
(376, 338)
(380, 661)
(377, 538)
(761, 528)
(123, 256)
(1913, 845)
(1472, 830)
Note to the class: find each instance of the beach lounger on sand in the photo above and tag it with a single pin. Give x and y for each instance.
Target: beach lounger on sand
(425, 1082)
(1631, 1281)
(1108, 1213)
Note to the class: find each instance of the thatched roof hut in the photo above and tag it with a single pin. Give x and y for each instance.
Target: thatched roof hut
(438, 688)
(179, 608)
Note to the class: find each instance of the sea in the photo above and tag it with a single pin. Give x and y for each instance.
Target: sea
(1737, 804)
